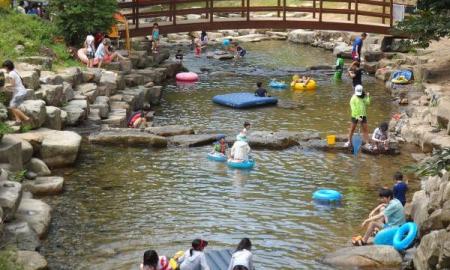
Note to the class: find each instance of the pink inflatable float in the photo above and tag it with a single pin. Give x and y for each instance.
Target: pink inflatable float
(187, 77)
(83, 56)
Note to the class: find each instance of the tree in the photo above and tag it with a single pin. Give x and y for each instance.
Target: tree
(76, 18)
(431, 22)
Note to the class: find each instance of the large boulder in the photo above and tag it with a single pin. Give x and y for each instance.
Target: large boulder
(173, 130)
(36, 213)
(279, 140)
(26, 147)
(193, 140)
(112, 82)
(116, 118)
(43, 61)
(44, 185)
(52, 94)
(77, 111)
(154, 93)
(127, 137)
(35, 109)
(72, 76)
(68, 93)
(38, 167)
(3, 112)
(30, 79)
(102, 105)
(31, 260)
(443, 112)
(301, 36)
(365, 256)
(49, 77)
(21, 235)
(89, 90)
(433, 251)
(10, 196)
(53, 119)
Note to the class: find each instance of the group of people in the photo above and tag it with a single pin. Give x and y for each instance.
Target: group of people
(104, 52)
(25, 7)
(240, 150)
(195, 258)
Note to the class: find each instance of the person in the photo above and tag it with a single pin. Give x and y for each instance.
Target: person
(90, 50)
(33, 10)
(244, 131)
(380, 137)
(356, 47)
(179, 57)
(104, 54)
(239, 51)
(138, 119)
(198, 47)
(204, 38)
(152, 261)
(221, 146)
(393, 215)
(339, 67)
(260, 92)
(355, 72)
(21, 8)
(304, 79)
(240, 149)
(194, 258)
(400, 188)
(242, 258)
(155, 37)
(358, 106)
(19, 92)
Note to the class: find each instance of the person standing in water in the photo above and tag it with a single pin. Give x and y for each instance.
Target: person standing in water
(339, 67)
(358, 106)
(356, 47)
(155, 38)
(355, 72)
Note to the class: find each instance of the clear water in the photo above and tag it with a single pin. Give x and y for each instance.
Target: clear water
(121, 201)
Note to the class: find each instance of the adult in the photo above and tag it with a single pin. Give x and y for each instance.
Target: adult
(194, 258)
(240, 149)
(33, 10)
(260, 92)
(104, 53)
(19, 92)
(393, 215)
(242, 258)
(380, 137)
(21, 7)
(358, 106)
(357, 45)
(355, 72)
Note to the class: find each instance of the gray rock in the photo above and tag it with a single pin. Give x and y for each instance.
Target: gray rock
(45, 62)
(35, 109)
(443, 112)
(134, 79)
(53, 119)
(49, 77)
(193, 140)
(44, 185)
(21, 235)
(72, 75)
(301, 36)
(429, 251)
(89, 90)
(77, 111)
(31, 260)
(365, 256)
(112, 81)
(127, 137)
(67, 92)
(51, 94)
(30, 79)
(155, 93)
(3, 112)
(116, 118)
(26, 147)
(166, 131)
(10, 196)
(102, 105)
(39, 167)
(36, 213)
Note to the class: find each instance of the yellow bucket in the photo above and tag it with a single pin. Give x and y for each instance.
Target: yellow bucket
(331, 139)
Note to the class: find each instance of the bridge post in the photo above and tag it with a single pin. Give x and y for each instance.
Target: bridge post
(279, 5)
(349, 8)
(314, 9)
(174, 11)
(243, 6)
(133, 11)
(211, 11)
(207, 8)
(284, 10)
(137, 15)
(392, 13)
(356, 11)
(320, 10)
(248, 10)
(384, 12)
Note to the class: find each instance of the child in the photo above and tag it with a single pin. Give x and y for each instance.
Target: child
(304, 80)
(240, 149)
(242, 258)
(339, 67)
(90, 50)
(194, 258)
(198, 47)
(179, 57)
(221, 146)
(240, 52)
(19, 92)
(244, 131)
(260, 92)
(400, 188)
(153, 262)
(358, 106)
(204, 38)
(355, 72)
(380, 137)
(155, 37)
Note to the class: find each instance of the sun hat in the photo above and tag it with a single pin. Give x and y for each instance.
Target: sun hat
(359, 90)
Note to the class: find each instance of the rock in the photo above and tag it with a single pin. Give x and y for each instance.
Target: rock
(166, 131)
(133, 79)
(35, 109)
(72, 76)
(252, 38)
(373, 56)
(55, 148)
(400, 45)
(31, 260)
(30, 79)
(67, 92)
(92, 75)
(51, 94)
(36, 213)
(89, 90)
(10, 196)
(443, 112)
(102, 105)
(49, 77)
(112, 82)
(3, 112)
(77, 111)
(127, 137)
(45, 62)
(21, 235)
(365, 256)
(53, 119)
(383, 73)
(19, 49)
(155, 93)
(419, 208)
(225, 56)
(39, 167)
(126, 66)
(193, 140)
(301, 36)
(370, 67)
(44, 185)
(430, 249)
(116, 118)
(26, 147)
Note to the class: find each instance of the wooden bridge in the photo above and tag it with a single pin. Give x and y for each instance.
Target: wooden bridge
(373, 16)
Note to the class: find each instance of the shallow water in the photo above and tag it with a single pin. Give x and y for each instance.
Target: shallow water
(119, 202)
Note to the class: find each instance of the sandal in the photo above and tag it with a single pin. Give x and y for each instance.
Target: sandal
(358, 241)
(375, 231)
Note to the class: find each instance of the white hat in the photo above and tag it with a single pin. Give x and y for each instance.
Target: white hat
(359, 90)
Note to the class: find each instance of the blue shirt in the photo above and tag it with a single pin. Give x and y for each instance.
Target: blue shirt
(394, 213)
(400, 192)
(358, 42)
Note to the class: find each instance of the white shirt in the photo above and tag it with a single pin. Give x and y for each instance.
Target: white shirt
(19, 88)
(241, 257)
(195, 262)
(240, 150)
(90, 43)
(100, 53)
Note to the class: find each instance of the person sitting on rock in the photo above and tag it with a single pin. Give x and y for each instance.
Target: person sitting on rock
(221, 146)
(19, 92)
(240, 149)
(152, 261)
(380, 137)
(393, 215)
(104, 53)
(194, 258)
(139, 119)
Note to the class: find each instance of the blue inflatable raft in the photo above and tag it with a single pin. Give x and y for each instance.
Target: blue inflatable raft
(243, 100)
(278, 85)
(217, 157)
(248, 164)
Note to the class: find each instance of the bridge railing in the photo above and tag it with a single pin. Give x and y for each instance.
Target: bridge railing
(142, 13)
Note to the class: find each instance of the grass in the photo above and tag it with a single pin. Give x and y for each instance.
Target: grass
(8, 260)
(34, 34)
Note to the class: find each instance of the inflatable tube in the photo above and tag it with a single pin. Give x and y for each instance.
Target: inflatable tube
(385, 236)
(405, 236)
(327, 195)
(226, 42)
(82, 55)
(248, 164)
(217, 157)
(400, 80)
(275, 84)
(187, 77)
(301, 86)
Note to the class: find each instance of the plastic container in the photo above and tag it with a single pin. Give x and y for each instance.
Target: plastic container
(331, 139)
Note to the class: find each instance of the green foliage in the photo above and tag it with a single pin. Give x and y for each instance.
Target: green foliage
(431, 22)
(29, 31)
(432, 166)
(8, 259)
(5, 129)
(18, 176)
(25, 128)
(76, 18)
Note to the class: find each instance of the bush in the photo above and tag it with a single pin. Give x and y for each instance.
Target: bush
(76, 18)
(440, 160)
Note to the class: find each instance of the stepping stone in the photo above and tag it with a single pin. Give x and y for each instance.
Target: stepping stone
(45, 185)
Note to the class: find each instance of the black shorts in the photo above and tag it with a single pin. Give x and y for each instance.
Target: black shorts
(90, 55)
(355, 120)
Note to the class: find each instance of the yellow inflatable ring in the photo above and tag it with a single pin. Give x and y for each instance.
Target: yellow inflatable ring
(301, 86)
(400, 80)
